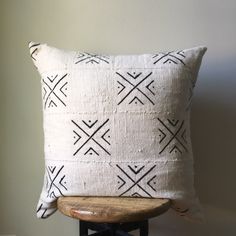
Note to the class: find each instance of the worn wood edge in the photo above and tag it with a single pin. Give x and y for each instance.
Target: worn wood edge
(117, 216)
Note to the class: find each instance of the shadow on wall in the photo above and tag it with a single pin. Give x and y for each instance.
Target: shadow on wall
(213, 125)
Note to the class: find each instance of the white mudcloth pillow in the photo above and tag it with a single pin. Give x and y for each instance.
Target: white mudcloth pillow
(118, 125)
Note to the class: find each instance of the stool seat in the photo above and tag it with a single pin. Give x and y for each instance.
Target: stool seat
(112, 209)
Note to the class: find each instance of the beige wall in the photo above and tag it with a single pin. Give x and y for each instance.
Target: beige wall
(117, 26)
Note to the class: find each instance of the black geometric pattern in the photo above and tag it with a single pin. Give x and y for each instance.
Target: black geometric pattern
(54, 90)
(44, 211)
(172, 136)
(89, 58)
(91, 138)
(135, 88)
(33, 49)
(174, 57)
(190, 95)
(130, 177)
(55, 181)
(44, 215)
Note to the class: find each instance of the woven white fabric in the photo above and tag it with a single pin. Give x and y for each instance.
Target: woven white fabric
(118, 125)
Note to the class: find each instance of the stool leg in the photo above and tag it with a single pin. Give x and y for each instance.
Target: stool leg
(144, 228)
(113, 229)
(83, 228)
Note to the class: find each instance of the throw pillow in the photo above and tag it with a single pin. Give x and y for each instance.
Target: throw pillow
(118, 125)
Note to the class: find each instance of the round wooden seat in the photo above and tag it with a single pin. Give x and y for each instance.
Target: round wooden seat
(112, 209)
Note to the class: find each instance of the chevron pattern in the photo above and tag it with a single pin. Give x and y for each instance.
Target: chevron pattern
(89, 58)
(135, 88)
(136, 180)
(174, 57)
(91, 137)
(172, 136)
(55, 181)
(54, 91)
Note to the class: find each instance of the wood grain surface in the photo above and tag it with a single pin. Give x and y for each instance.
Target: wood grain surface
(112, 209)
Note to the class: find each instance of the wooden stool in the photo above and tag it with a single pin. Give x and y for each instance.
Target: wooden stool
(112, 215)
